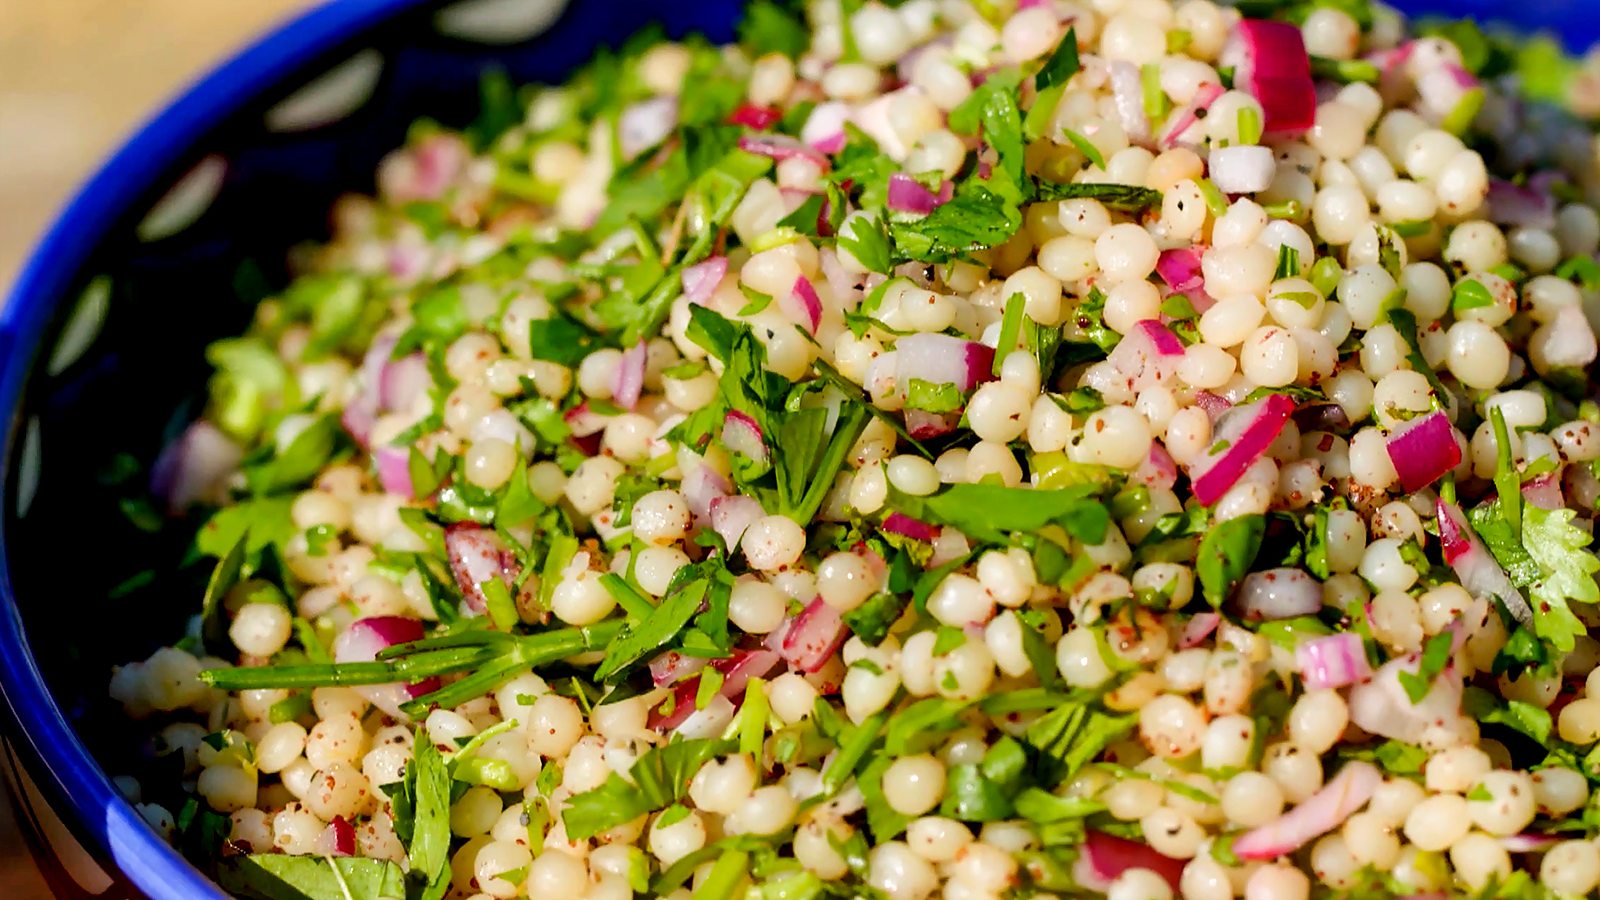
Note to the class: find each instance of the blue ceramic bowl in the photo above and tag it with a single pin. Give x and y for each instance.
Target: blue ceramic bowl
(162, 251)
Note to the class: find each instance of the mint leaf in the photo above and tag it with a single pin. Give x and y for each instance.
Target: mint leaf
(1226, 553)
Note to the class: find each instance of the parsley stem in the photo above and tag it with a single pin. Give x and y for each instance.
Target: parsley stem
(852, 421)
(725, 876)
(414, 668)
(635, 604)
(526, 654)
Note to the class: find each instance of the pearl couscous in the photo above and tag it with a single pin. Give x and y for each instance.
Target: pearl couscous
(937, 449)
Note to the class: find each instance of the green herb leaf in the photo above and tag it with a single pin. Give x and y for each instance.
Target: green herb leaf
(988, 512)
(1120, 197)
(1062, 64)
(1435, 656)
(660, 779)
(1226, 553)
(275, 876)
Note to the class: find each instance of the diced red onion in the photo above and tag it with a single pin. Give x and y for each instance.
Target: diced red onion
(1181, 269)
(362, 641)
(1477, 571)
(358, 418)
(845, 287)
(1333, 661)
(1149, 354)
(813, 636)
(781, 147)
(337, 839)
(394, 470)
(646, 124)
(1127, 95)
(942, 359)
(1512, 204)
(742, 434)
(403, 381)
(476, 555)
(736, 671)
(923, 425)
(1243, 169)
(1544, 492)
(1279, 594)
(1189, 116)
(731, 515)
(628, 381)
(699, 724)
(1102, 857)
(1322, 812)
(1215, 405)
(760, 118)
(194, 466)
(1158, 470)
(1245, 433)
(1528, 843)
(1198, 628)
(583, 421)
(1442, 89)
(906, 194)
(824, 128)
(1270, 62)
(803, 305)
(672, 665)
(905, 526)
(701, 280)
(950, 545)
(1423, 450)
(702, 485)
(1382, 706)
(425, 171)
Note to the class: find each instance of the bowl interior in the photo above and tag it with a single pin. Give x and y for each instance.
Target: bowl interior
(106, 329)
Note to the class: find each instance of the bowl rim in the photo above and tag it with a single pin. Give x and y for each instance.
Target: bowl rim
(78, 787)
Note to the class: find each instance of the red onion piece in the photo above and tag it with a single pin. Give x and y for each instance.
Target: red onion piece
(701, 280)
(906, 194)
(1382, 706)
(781, 147)
(362, 641)
(477, 555)
(731, 515)
(736, 670)
(1214, 404)
(403, 381)
(1270, 62)
(1477, 571)
(1187, 117)
(701, 486)
(670, 666)
(1528, 843)
(813, 636)
(646, 124)
(1181, 269)
(760, 118)
(1244, 169)
(803, 305)
(1127, 94)
(423, 172)
(1158, 470)
(1442, 89)
(1333, 661)
(905, 526)
(1317, 815)
(1102, 857)
(942, 359)
(358, 418)
(1243, 433)
(845, 287)
(742, 435)
(1528, 207)
(701, 724)
(923, 425)
(337, 839)
(1423, 450)
(824, 128)
(628, 381)
(1544, 492)
(394, 470)
(1279, 594)
(1198, 628)
(1149, 354)
(194, 466)
(583, 421)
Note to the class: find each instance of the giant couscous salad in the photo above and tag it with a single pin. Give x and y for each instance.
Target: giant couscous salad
(961, 449)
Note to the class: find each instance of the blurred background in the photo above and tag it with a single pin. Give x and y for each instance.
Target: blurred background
(75, 77)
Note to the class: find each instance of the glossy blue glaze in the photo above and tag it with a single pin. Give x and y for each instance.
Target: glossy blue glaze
(58, 637)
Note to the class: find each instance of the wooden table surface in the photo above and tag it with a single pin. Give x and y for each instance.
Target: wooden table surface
(75, 77)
